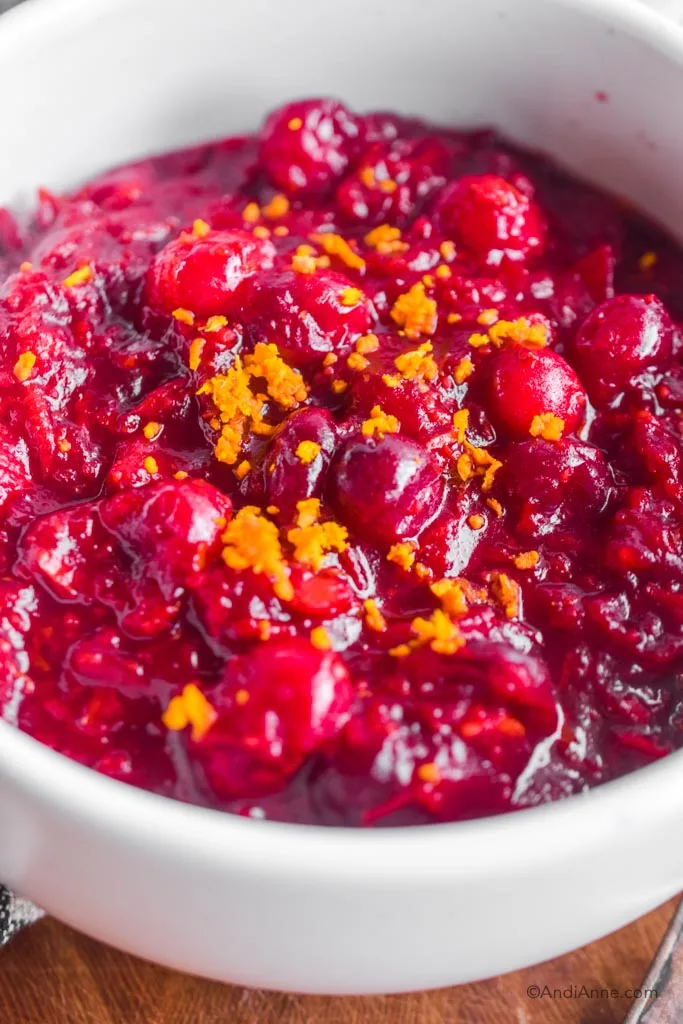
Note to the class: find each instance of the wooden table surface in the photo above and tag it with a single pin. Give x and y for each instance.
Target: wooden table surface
(51, 975)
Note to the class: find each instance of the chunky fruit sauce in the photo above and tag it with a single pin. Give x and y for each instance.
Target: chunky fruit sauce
(341, 475)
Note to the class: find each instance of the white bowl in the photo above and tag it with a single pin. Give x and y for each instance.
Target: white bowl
(85, 85)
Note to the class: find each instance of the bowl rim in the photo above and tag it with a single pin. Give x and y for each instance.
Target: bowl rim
(525, 839)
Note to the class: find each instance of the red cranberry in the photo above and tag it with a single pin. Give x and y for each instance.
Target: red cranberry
(84, 239)
(619, 339)
(561, 604)
(511, 677)
(32, 292)
(639, 632)
(305, 146)
(387, 489)
(77, 462)
(167, 403)
(174, 526)
(204, 275)
(450, 542)
(60, 368)
(322, 595)
(596, 272)
(549, 481)
(15, 473)
(306, 315)
(525, 383)
(63, 549)
(12, 678)
(119, 188)
(392, 180)
(275, 706)
(644, 537)
(659, 453)
(423, 414)
(130, 466)
(231, 606)
(99, 661)
(289, 478)
(10, 235)
(492, 219)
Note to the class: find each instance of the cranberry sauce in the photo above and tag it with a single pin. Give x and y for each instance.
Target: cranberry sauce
(341, 475)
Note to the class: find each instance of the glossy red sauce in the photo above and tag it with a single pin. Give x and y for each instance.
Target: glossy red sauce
(473, 383)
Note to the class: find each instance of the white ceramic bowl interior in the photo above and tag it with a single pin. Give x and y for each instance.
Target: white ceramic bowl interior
(86, 85)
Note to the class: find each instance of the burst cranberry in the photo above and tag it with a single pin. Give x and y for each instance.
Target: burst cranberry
(549, 481)
(658, 451)
(422, 414)
(644, 537)
(118, 189)
(174, 526)
(513, 678)
(204, 275)
(492, 219)
(232, 607)
(387, 489)
(306, 146)
(618, 340)
(61, 549)
(274, 706)
(525, 383)
(99, 660)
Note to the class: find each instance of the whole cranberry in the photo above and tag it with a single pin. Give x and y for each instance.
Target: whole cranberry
(492, 219)
(274, 706)
(524, 383)
(310, 315)
(387, 489)
(174, 527)
(306, 146)
(291, 477)
(618, 340)
(204, 275)
(552, 481)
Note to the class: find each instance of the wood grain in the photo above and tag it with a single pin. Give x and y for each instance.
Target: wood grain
(52, 975)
